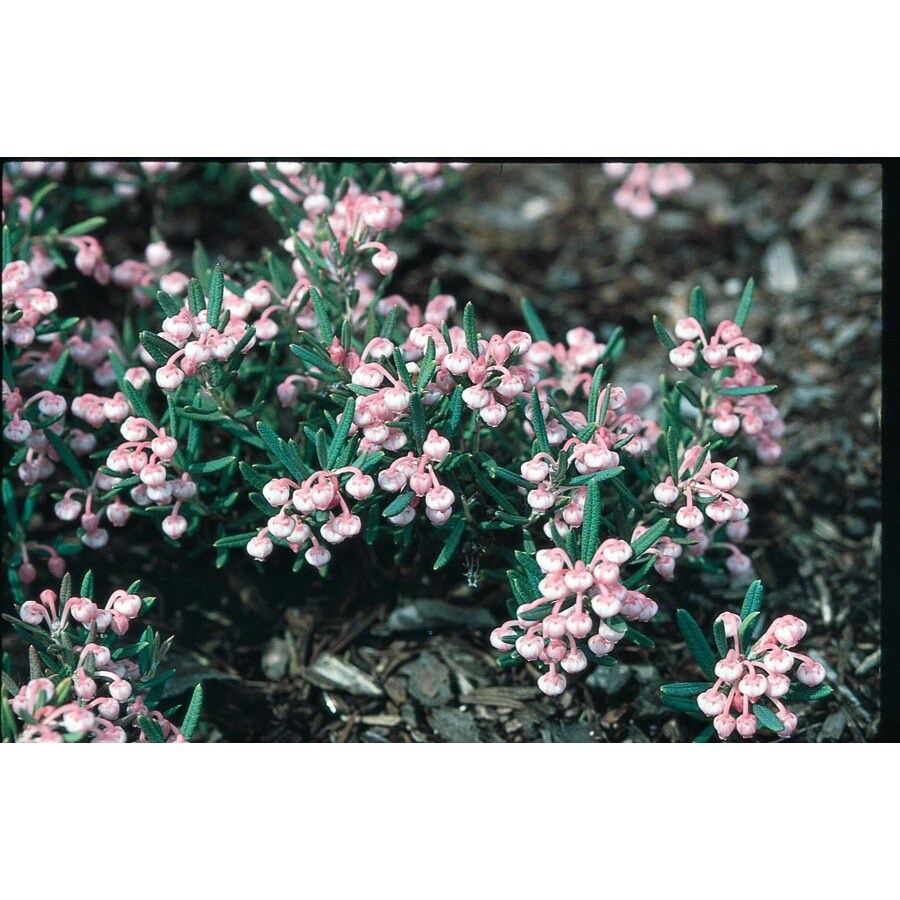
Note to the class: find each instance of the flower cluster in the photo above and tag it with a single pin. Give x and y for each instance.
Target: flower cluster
(643, 181)
(84, 684)
(25, 304)
(753, 680)
(310, 505)
(557, 627)
(701, 481)
(736, 406)
(746, 680)
(148, 458)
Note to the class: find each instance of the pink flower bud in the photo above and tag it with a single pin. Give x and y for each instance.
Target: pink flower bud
(729, 669)
(259, 547)
(68, 509)
(724, 725)
(552, 683)
(108, 708)
(777, 685)
(359, 486)
(120, 690)
(811, 673)
(599, 646)
(666, 493)
(277, 492)
(606, 605)
(748, 353)
(746, 725)
(530, 646)
(753, 686)
(683, 356)
(575, 662)
(779, 661)
(32, 612)
(616, 551)
(440, 498)
(579, 625)
(689, 517)
(497, 636)
(789, 720)
(436, 446)
(788, 630)
(492, 415)
(687, 330)
(318, 556)
(719, 510)
(77, 720)
(711, 702)
(169, 377)
(128, 604)
(385, 261)
(715, 355)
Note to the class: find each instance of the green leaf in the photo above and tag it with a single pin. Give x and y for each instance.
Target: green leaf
(417, 419)
(672, 450)
(649, 537)
(746, 629)
(85, 227)
(746, 303)
(767, 718)
(196, 300)
(168, 305)
(639, 639)
(7, 247)
(341, 432)
(720, 637)
(192, 716)
(159, 348)
(151, 729)
(685, 688)
(532, 321)
(689, 394)
(67, 457)
(452, 543)
(696, 642)
(213, 465)
(753, 599)
(87, 585)
(470, 329)
(235, 540)
(326, 330)
(803, 692)
(748, 391)
(697, 306)
(590, 529)
(594, 394)
(216, 295)
(662, 334)
(398, 504)
(540, 427)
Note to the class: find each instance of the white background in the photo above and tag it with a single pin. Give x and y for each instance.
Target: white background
(279, 81)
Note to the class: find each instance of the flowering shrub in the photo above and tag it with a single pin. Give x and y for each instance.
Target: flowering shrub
(86, 684)
(752, 685)
(292, 403)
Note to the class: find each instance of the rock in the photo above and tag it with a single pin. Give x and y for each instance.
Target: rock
(813, 207)
(833, 727)
(455, 726)
(331, 672)
(780, 267)
(567, 733)
(609, 679)
(429, 680)
(420, 615)
(275, 659)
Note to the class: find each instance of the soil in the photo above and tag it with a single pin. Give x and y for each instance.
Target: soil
(282, 660)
